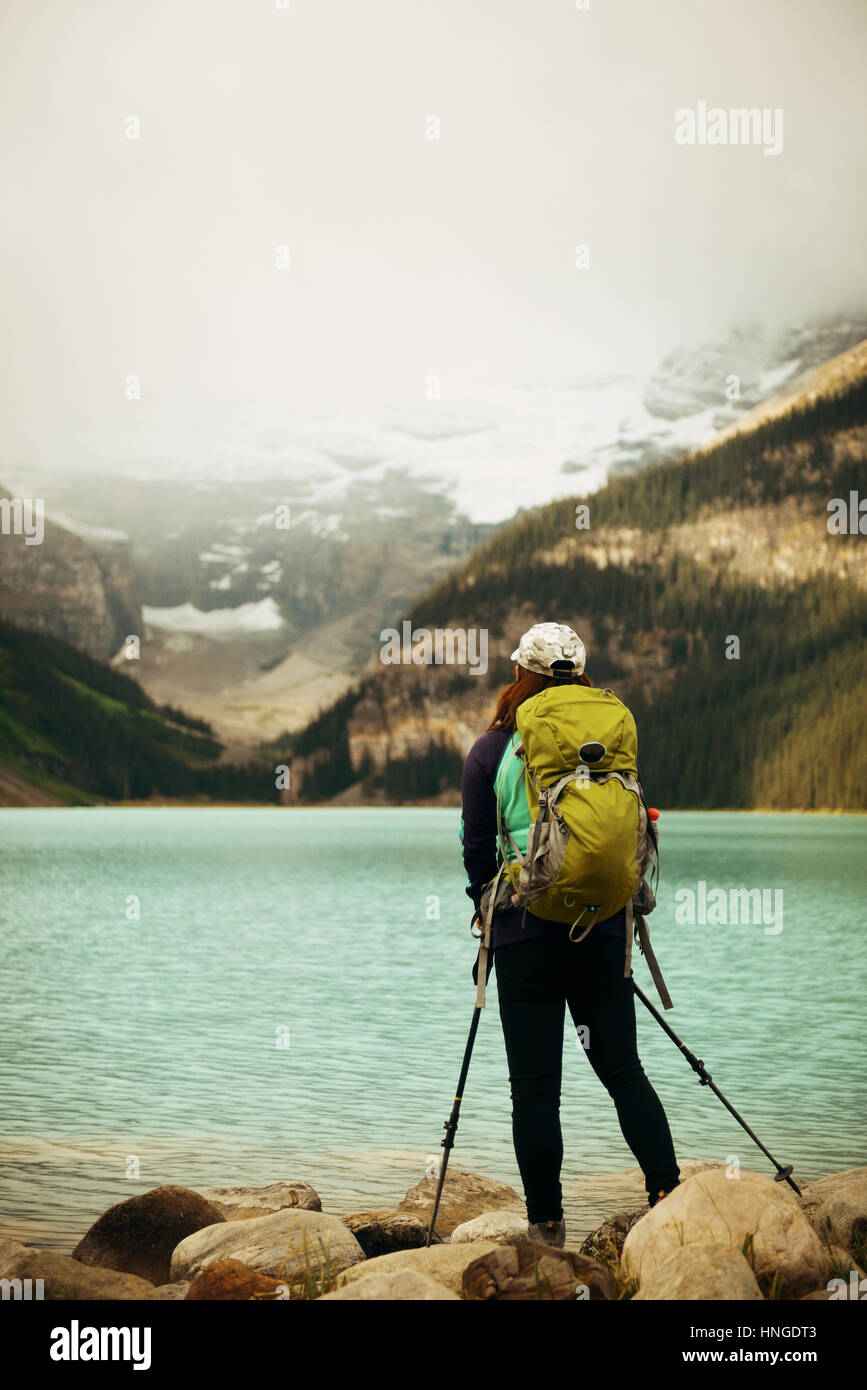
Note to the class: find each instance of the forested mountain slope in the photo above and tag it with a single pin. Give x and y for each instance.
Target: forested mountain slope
(659, 576)
(74, 731)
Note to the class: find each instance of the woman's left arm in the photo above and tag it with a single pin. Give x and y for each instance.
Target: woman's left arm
(478, 833)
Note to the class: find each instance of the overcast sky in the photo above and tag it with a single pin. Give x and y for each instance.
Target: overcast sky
(306, 127)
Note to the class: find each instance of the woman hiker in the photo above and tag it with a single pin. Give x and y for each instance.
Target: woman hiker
(540, 971)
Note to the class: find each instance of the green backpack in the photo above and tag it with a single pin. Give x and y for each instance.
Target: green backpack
(574, 841)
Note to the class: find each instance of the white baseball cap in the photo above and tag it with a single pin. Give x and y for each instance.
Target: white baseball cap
(546, 643)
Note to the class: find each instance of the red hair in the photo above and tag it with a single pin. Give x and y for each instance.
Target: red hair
(525, 684)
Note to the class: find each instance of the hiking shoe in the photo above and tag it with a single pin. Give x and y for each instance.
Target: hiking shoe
(655, 1197)
(548, 1232)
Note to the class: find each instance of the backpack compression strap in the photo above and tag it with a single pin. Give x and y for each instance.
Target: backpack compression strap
(485, 943)
(647, 952)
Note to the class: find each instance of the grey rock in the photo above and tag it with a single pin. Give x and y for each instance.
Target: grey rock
(66, 1279)
(713, 1209)
(244, 1203)
(401, 1285)
(444, 1263)
(138, 1236)
(701, 1272)
(381, 1232)
(530, 1273)
(465, 1195)
(836, 1207)
(10, 1250)
(606, 1242)
(502, 1227)
(273, 1245)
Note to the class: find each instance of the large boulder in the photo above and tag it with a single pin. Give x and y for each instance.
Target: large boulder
(698, 1272)
(836, 1207)
(286, 1245)
(751, 1210)
(246, 1203)
(170, 1291)
(139, 1235)
(381, 1232)
(527, 1273)
(444, 1263)
(502, 1227)
(232, 1281)
(401, 1285)
(465, 1195)
(68, 1280)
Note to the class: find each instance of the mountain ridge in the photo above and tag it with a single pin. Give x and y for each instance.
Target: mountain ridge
(732, 540)
(256, 628)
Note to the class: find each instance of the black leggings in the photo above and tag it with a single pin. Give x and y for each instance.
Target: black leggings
(535, 980)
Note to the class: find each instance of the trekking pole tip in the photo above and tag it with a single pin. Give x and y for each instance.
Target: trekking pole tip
(785, 1175)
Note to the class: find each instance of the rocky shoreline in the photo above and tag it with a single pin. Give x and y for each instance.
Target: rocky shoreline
(715, 1237)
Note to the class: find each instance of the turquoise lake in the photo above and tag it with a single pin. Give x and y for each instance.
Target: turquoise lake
(222, 996)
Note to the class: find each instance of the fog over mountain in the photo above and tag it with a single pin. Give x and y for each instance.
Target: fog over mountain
(490, 455)
(253, 624)
(265, 213)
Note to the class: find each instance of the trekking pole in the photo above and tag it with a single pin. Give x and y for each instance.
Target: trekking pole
(783, 1174)
(451, 1123)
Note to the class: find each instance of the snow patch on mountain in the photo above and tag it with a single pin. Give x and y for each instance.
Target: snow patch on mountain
(220, 623)
(744, 368)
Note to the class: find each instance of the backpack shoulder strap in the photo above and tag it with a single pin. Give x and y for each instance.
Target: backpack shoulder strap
(503, 832)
